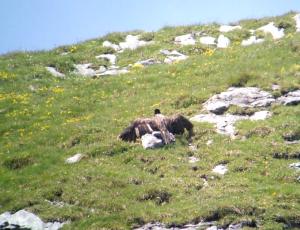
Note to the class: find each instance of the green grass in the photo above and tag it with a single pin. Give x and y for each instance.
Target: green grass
(117, 184)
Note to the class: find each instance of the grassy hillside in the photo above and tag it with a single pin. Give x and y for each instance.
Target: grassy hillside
(117, 185)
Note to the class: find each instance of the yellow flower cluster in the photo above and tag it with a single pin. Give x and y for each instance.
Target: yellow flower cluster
(17, 113)
(138, 66)
(209, 52)
(58, 90)
(73, 49)
(6, 75)
(78, 119)
(15, 98)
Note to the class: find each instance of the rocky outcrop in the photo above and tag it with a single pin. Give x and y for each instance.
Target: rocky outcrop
(131, 42)
(26, 220)
(226, 28)
(273, 30)
(252, 40)
(297, 20)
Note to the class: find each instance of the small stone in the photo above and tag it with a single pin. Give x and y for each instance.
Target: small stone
(74, 159)
(220, 169)
(295, 165)
(193, 159)
(209, 142)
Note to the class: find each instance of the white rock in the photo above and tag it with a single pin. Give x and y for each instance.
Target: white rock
(87, 71)
(4, 217)
(220, 169)
(54, 72)
(209, 142)
(271, 28)
(297, 19)
(74, 159)
(132, 42)
(154, 140)
(207, 40)
(149, 141)
(252, 40)
(111, 45)
(187, 39)
(110, 57)
(261, 115)
(24, 219)
(295, 165)
(193, 159)
(226, 28)
(223, 42)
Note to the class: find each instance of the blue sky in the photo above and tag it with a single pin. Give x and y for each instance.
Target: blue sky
(44, 24)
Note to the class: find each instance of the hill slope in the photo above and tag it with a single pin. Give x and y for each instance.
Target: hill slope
(46, 119)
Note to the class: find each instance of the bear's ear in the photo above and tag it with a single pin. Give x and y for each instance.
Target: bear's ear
(156, 111)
